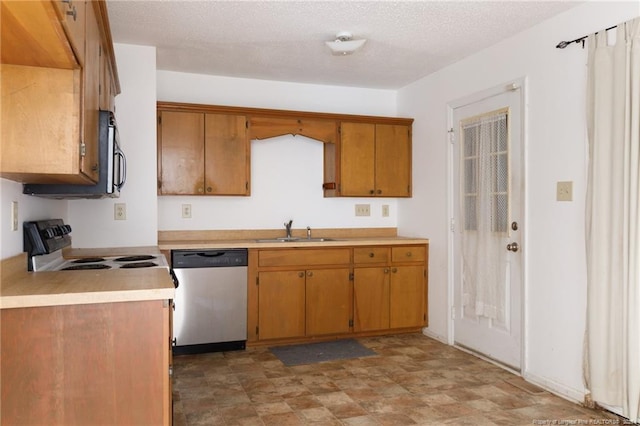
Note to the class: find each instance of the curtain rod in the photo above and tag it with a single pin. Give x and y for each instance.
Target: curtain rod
(564, 44)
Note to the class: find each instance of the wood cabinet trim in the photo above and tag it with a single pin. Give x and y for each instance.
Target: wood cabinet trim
(102, 14)
(276, 113)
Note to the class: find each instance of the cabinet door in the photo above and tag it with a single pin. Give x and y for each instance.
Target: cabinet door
(357, 160)
(91, 97)
(181, 153)
(393, 160)
(371, 298)
(281, 307)
(102, 363)
(328, 301)
(107, 86)
(226, 155)
(407, 297)
(72, 16)
(32, 35)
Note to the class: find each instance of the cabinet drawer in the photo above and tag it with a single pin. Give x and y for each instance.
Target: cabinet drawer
(304, 257)
(371, 255)
(408, 254)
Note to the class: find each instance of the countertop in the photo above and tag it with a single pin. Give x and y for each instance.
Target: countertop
(20, 288)
(254, 244)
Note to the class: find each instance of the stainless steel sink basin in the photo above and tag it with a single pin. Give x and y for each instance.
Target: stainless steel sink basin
(294, 240)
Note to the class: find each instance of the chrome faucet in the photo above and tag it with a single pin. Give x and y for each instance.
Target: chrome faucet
(308, 232)
(288, 228)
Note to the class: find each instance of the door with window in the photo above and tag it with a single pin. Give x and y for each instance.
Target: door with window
(487, 226)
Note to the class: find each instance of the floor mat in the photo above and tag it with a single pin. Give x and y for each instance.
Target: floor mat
(310, 353)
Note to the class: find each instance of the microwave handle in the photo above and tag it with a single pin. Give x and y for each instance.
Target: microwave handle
(123, 169)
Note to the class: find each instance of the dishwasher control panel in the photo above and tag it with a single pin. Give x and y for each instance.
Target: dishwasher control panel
(209, 258)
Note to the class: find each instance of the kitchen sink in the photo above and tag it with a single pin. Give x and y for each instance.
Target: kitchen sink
(294, 240)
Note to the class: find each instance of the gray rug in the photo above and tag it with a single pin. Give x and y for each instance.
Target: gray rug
(309, 353)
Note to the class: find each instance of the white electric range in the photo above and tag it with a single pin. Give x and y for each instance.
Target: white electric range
(45, 239)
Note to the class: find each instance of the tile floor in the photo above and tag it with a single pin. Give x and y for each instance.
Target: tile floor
(414, 380)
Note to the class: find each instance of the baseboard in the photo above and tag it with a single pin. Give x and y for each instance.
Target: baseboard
(573, 395)
(435, 336)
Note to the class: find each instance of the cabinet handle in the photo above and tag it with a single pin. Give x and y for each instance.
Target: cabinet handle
(371, 255)
(408, 254)
(200, 190)
(394, 270)
(309, 274)
(208, 189)
(372, 192)
(72, 12)
(301, 274)
(386, 270)
(379, 191)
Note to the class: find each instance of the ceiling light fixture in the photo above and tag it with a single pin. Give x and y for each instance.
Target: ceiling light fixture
(344, 45)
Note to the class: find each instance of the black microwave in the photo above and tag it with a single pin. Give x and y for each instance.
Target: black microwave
(112, 172)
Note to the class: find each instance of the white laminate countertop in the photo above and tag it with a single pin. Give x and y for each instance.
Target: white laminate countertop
(20, 288)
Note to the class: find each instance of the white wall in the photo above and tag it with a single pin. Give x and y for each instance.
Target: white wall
(286, 172)
(92, 220)
(554, 250)
(29, 208)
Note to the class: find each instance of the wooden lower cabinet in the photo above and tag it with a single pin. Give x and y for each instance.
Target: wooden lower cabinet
(328, 301)
(304, 294)
(281, 304)
(86, 364)
(407, 297)
(371, 298)
(303, 303)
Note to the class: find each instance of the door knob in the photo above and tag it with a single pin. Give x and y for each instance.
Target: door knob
(512, 247)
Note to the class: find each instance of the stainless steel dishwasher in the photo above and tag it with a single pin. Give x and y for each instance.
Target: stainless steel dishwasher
(210, 300)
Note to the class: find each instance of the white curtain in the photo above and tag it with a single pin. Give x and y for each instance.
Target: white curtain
(485, 205)
(612, 346)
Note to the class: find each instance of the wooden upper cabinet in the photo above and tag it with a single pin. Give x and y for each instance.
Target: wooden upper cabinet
(358, 159)
(364, 156)
(90, 88)
(202, 154)
(227, 152)
(375, 160)
(393, 160)
(72, 15)
(32, 34)
(180, 153)
(51, 89)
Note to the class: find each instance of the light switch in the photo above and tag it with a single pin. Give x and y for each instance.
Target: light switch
(564, 191)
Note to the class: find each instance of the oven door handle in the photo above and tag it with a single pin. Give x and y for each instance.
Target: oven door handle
(123, 169)
(176, 282)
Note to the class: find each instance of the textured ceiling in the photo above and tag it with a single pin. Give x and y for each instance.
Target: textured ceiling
(284, 40)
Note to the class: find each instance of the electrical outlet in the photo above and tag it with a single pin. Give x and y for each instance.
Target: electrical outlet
(363, 210)
(186, 211)
(564, 191)
(120, 211)
(14, 215)
(385, 210)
